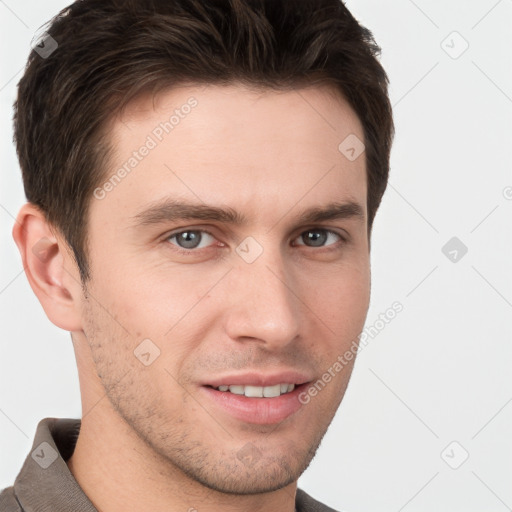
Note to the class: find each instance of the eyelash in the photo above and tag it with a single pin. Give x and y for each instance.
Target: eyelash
(189, 252)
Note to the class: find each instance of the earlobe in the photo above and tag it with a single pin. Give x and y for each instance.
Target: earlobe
(49, 268)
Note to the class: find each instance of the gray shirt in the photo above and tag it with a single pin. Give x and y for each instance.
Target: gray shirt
(45, 483)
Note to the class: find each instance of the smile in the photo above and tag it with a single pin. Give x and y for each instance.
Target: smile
(261, 405)
(258, 391)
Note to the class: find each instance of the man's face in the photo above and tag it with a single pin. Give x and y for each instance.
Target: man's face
(178, 306)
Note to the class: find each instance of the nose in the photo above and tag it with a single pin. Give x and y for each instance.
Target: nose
(264, 304)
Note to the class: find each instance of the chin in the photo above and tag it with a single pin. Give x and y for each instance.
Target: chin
(247, 471)
(245, 481)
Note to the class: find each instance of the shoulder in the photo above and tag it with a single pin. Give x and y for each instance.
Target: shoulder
(305, 503)
(8, 501)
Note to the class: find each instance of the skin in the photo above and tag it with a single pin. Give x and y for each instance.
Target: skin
(150, 439)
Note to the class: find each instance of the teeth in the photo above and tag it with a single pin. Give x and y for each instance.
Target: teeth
(237, 390)
(254, 391)
(272, 391)
(259, 391)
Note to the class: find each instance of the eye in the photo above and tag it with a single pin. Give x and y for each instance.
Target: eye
(317, 237)
(191, 239)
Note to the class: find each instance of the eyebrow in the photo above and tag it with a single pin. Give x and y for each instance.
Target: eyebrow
(170, 210)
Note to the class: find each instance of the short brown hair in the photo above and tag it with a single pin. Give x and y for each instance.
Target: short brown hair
(110, 51)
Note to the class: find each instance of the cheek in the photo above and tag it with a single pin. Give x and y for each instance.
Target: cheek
(142, 303)
(158, 313)
(342, 301)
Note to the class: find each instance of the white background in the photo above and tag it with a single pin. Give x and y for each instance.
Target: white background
(440, 371)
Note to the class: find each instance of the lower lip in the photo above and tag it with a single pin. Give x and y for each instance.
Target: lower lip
(260, 411)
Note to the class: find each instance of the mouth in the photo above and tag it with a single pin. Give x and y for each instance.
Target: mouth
(256, 399)
(257, 391)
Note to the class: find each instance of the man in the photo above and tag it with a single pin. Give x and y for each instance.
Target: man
(202, 178)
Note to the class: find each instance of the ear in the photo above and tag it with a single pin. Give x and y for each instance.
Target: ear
(50, 268)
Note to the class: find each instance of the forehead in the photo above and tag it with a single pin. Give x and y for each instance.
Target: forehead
(234, 146)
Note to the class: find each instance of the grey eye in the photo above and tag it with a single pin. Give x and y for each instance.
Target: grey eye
(190, 239)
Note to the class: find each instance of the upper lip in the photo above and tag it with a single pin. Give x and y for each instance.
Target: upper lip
(259, 379)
